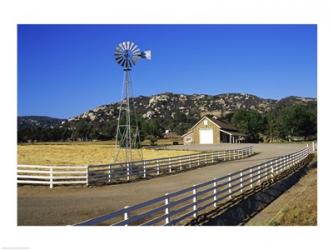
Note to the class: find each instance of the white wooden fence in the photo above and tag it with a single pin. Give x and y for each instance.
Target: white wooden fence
(122, 172)
(52, 175)
(182, 206)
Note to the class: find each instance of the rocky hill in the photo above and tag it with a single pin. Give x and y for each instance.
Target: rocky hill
(167, 105)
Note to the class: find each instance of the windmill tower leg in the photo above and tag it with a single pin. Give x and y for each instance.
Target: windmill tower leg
(127, 136)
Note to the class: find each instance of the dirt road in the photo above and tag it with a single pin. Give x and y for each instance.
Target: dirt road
(70, 205)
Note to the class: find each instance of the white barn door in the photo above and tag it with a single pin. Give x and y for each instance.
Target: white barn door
(206, 136)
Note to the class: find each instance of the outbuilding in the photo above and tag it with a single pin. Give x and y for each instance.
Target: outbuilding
(211, 130)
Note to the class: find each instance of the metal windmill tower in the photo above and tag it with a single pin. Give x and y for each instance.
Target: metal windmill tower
(127, 54)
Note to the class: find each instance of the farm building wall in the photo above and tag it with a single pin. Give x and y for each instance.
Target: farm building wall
(216, 131)
(188, 138)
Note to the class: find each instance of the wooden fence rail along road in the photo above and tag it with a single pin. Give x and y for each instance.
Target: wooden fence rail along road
(182, 206)
(123, 172)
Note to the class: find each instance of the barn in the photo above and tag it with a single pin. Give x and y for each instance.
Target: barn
(211, 130)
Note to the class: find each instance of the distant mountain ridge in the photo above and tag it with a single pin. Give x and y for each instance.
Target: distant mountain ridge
(38, 121)
(166, 105)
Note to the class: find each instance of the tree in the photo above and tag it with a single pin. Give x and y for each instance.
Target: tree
(250, 123)
(299, 121)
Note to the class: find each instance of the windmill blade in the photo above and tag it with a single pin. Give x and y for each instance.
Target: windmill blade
(136, 59)
(117, 52)
(129, 63)
(131, 46)
(123, 63)
(132, 61)
(120, 45)
(136, 50)
(127, 54)
(119, 48)
(136, 47)
(120, 61)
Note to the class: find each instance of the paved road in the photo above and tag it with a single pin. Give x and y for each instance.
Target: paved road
(70, 205)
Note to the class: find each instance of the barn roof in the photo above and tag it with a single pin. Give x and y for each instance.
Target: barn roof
(222, 124)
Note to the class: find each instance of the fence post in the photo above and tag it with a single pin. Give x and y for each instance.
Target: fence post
(251, 180)
(170, 169)
(144, 169)
(212, 154)
(272, 171)
(51, 177)
(214, 192)
(265, 167)
(241, 181)
(313, 147)
(194, 201)
(167, 201)
(190, 160)
(128, 171)
(126, 214)
(109, 180)
(292, 160)
(259, 175)
(180, 161)
(87, 175)
(234, 154)
(284, 163)
(229, 186)
(205, 158)
(158, 167)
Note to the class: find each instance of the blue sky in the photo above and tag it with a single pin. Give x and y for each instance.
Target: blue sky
(64, 70)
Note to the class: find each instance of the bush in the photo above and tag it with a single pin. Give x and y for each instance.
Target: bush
(152, 139)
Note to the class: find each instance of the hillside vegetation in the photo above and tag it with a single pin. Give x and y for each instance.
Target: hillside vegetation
(291, 118)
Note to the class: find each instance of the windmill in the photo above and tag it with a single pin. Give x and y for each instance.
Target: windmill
(127, 54)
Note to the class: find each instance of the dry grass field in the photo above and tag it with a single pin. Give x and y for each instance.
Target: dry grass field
(302, 209)
(82, 153)
(296, 207)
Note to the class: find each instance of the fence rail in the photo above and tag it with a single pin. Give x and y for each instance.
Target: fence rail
(120, 172)
(186, 204)
(51, 175)
(123, 172)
